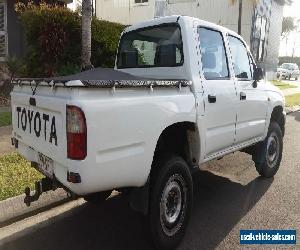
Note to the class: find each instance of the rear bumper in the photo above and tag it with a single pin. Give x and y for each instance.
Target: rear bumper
(107, 176)
(60, 171)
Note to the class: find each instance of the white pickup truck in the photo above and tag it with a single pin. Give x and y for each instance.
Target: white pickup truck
(183, 92)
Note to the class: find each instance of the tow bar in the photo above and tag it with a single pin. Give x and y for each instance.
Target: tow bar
(44, 185)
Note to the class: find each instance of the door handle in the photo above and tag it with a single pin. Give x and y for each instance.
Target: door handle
(212, 98)
(243, 96)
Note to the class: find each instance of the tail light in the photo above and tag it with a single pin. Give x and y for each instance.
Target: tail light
(76, 133)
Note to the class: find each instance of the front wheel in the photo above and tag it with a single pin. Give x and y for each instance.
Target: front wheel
(269, 153)
(171, 199)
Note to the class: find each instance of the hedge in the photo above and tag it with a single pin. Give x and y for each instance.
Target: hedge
(53, 37)
(105, 40)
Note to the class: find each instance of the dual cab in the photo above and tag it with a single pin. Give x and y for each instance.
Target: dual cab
(183, 92)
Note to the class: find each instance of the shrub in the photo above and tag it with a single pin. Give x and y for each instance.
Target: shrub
(53, 36)
(105, 40)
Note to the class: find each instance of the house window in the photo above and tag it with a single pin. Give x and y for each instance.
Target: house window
(260, 38)
(3, 37)
(140, 1)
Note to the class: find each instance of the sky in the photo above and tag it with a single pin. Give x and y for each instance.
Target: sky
(293, 39)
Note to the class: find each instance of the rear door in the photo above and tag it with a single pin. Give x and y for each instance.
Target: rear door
(252, 104)
(219, 92)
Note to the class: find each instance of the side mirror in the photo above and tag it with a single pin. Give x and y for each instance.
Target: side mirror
(258, 74)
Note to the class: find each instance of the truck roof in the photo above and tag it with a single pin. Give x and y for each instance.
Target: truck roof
(176, 18)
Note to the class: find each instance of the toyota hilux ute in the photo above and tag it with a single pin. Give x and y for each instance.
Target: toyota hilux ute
(183, 92)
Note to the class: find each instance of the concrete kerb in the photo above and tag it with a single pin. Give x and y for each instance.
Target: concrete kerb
(14, 209)
(293, 109)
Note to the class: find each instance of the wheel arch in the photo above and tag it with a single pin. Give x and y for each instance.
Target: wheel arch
(180, 138)
(278, 116)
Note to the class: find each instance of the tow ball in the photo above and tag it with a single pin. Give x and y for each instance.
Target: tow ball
(44, 185)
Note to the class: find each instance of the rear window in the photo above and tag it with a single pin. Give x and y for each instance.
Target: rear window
(157, 46)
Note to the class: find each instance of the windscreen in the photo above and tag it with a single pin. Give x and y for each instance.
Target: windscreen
(157, 46)
(287, 66)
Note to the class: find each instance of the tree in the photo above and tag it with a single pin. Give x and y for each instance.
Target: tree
(86, 36)
(288, 25)
(240, 2)
(38, 2)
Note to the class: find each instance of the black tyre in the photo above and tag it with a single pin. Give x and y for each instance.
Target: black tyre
(171, 199)
(97, 198)
(269, 153)
(296, 78)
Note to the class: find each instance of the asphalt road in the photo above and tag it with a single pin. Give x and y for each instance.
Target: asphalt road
(229, 198)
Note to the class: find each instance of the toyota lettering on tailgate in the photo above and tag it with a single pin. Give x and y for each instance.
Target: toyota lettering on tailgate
(36, 122)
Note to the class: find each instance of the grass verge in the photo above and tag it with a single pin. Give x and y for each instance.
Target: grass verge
(292, 100)
(15, 175)
(282, 85)
(5, 118)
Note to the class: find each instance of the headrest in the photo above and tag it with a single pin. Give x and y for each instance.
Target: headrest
(130, 58)
(165, 55)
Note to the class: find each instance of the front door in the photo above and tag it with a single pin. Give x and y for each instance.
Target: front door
(219, 93)
(252, 106)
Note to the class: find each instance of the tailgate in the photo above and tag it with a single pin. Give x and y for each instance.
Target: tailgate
(39, 121)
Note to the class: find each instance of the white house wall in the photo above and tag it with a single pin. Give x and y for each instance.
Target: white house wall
(221, 12)
(217, 11)
(274, 37)
(124, 11)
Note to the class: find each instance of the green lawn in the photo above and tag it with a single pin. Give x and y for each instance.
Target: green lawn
(282, 85)
(15, 175)
(5, 118)
(292, 100)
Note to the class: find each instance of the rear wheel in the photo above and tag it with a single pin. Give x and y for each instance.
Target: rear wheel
(97, 198)
(171, 198)
(269, 153)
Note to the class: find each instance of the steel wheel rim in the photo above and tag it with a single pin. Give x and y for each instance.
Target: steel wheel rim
(172, 204)
(272, 150)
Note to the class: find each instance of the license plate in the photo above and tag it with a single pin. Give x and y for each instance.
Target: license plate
(45, 165)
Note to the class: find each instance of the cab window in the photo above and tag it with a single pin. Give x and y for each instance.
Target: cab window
(214, 59)
(240, 58)
(157, 46)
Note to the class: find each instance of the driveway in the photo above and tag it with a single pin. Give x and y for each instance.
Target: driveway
(228, 198)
